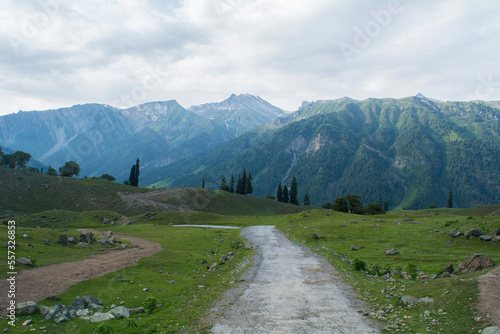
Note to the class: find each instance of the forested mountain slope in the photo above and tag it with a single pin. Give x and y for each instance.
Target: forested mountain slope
(409, 152)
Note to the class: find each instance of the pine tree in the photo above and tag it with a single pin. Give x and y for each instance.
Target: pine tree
(248, 187)
(279, 193)
(231, 189)
(285, 194)
(137, 170)
(450, 200)
(203, 184)
(132, 180)
(306, 200)
(223, 185)
(293, 192)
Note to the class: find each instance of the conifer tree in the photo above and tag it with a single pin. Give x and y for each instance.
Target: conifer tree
(203, 184)
(223, 185)
(285, 194)
(279, 193)
(450, 200)
(248, 187)
(231, 188)
(306, 200)
(132, 180)
(293, 192)
(137, 171)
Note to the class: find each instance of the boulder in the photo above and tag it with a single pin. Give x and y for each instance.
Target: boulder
(58, 313)
(449, 268)
(496, 239)
(354, 248)
(94, 306)
(87, 237)
(100, 317)
(24, 261)
(136, 310)
(82, 313)
(408, 300)
(83, 244)
(496, 232)
(78, 304)
(91, 299)
(106, 238)
(120, 312)
(26, 308)
(491, 330)
(473, 232)
(391, 251)
(63, 240)
(106, 221)
(485, 237)
(71, 240)
(455, 234)
(474, 263)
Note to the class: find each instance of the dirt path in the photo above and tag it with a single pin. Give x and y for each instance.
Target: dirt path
(39, 283)
(289, 290)
(489, 296)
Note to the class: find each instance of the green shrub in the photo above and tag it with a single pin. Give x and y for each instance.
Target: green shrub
(151, 303)
(411, 269)
(103, 329)
(359, 265)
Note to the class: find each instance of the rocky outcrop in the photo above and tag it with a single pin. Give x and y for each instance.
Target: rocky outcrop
(86, 237)
(473, 232)
(106, 238)
(474, 263)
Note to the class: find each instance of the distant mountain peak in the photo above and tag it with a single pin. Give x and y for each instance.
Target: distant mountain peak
(420, 96)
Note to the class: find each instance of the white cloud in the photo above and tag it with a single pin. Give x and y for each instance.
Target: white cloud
(58, 53)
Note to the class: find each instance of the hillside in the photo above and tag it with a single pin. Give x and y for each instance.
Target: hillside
(409, 152)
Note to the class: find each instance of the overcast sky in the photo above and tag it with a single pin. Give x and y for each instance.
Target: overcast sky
(56, 53)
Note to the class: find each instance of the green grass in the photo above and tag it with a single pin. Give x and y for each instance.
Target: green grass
(421, 241)
(175, 276)
(24, 192)
(224, 203)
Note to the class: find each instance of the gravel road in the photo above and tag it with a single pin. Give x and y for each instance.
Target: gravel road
(289, 290)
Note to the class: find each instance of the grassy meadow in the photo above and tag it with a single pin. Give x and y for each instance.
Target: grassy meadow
(185, 287)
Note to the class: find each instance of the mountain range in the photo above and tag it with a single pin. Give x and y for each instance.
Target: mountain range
(410, 152)
(104, 139)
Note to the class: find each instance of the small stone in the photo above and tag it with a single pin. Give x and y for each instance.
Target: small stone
(391, 251)
(100, 317)
(485, 237)
(24, 261)
(26, 308)
(354, 248)
(145, 289)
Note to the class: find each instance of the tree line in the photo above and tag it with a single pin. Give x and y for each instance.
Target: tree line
(243, 185)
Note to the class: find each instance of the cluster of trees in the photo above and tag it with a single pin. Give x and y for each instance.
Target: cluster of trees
(243, 185)
(284, 195)
(133, 179)
(352, 203)
(16, 160)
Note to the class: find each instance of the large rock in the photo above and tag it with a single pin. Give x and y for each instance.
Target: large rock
(474, 263)
(485, 237)
(408, 300)
(58, 313)
(82, 244)
(86, 237)
(120, 312)
(26, 308)
(391, 251)
(91, 299)
(78, 304)
(63, 240)
(473, 232)
(100, 317)
(455, 234)
(491, 330)
(24, 261)
(106, 238)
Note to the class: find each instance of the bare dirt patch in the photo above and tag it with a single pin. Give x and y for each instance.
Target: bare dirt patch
(489, 296)
(39, 283)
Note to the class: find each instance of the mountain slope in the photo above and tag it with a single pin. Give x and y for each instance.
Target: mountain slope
(104, 139)
(239, 113)
(409, 152)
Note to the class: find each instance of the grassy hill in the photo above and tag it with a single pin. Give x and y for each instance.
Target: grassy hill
(223, 202)
(24, 192)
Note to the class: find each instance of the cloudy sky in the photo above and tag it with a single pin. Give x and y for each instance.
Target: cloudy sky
(56, 53)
